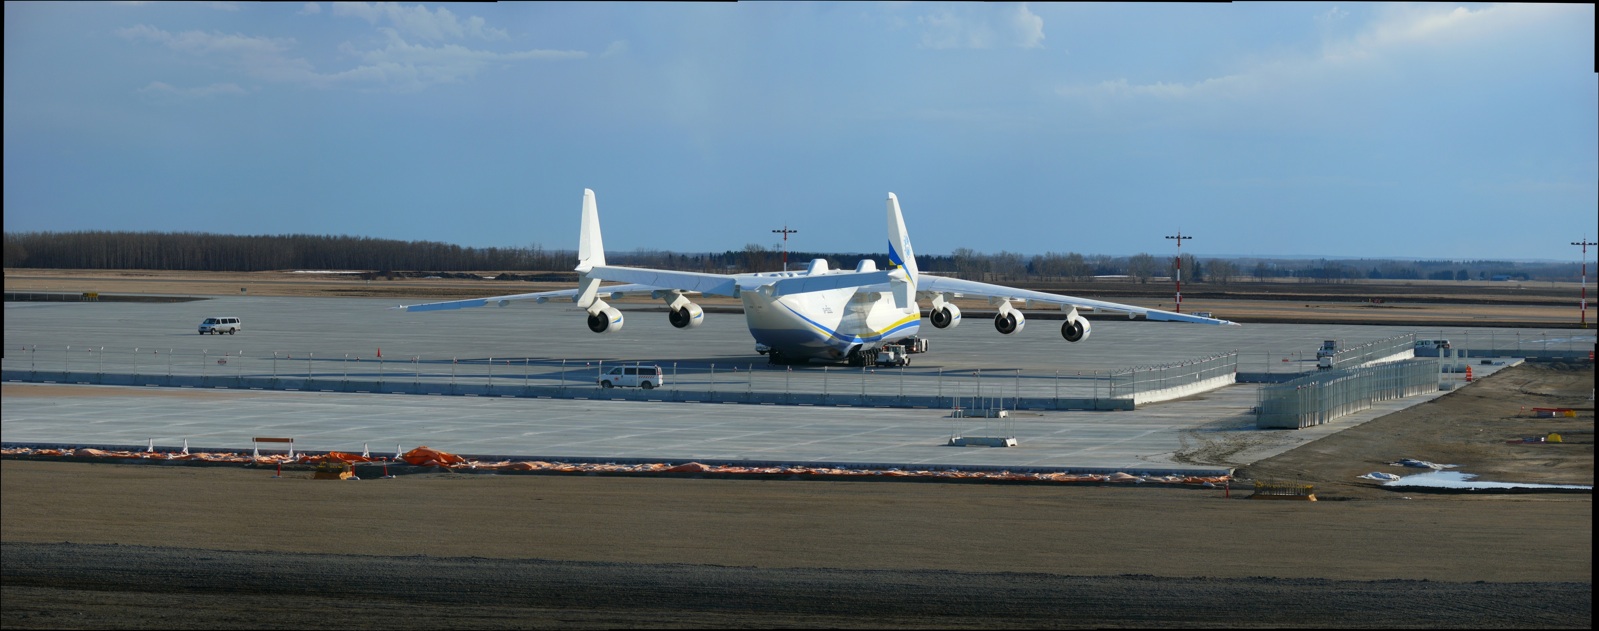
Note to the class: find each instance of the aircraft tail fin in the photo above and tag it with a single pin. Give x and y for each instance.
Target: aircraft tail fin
(590, 254)
(900, 254)
(590, 249)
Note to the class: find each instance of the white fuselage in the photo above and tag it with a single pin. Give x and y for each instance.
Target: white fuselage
(827, 324)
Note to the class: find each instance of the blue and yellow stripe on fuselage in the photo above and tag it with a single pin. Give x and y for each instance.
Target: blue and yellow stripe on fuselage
(795, 333)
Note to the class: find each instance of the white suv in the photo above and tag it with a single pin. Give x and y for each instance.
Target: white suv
(219, 326)
(645, 377)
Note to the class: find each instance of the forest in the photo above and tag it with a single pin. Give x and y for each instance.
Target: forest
(197, 251)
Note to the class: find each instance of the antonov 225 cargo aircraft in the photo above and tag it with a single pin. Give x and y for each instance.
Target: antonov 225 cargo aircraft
(817, 313)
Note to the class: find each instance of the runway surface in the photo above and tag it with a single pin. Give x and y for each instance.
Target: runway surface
(333, 331)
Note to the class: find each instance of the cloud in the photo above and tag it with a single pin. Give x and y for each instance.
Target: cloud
(1028, 27)
(960, 26)
(200, 43)
(417, 21)
(397, 65)
(311, 8)
(1396, 32)
(160, 89)
(1332, 16)
(618, 47)
(406, 66)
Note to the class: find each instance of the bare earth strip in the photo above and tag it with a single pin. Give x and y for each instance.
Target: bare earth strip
(149, 546)
(193, 589)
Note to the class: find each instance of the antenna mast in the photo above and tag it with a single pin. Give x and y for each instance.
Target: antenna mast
(785, 231)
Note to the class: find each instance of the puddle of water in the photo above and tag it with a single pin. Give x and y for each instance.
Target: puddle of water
(1458, 480)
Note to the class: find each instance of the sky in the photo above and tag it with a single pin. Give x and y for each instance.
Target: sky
(1358, 130)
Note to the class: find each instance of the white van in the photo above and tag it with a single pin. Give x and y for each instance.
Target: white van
(220, 325)
(646, 377)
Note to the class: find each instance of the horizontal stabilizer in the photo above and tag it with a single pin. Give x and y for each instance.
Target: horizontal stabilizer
(824, 282)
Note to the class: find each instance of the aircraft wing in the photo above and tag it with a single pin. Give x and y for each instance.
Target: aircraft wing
(540, 296)
(713, 284)
(654, 281)
(970, 289)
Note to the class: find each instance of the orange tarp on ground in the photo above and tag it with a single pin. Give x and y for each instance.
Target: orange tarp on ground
(425, 456)
(428, 457)
(339, 456)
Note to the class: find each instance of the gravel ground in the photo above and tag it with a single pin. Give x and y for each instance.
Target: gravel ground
(74, 585)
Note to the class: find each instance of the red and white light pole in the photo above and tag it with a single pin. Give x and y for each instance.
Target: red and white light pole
(1584, 243)
(785, 231)
(1179, 238)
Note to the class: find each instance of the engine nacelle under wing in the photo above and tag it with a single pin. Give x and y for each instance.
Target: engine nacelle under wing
(606, 320)
(688, 316)
(946, 317)
(1009, 321)
(1075, 329)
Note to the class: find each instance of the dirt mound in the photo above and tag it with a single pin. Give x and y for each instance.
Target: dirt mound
(1482, 428)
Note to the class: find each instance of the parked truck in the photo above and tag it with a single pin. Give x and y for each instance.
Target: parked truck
(1325, 354)
(895, 354)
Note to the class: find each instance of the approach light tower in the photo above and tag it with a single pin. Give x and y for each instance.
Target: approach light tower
(785, 232)
(1179, 238)
(1584, 243)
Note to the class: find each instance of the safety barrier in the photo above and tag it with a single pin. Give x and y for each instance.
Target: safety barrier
(1327, 395)
(904, 386)
(1148, 384)
(1388, 349)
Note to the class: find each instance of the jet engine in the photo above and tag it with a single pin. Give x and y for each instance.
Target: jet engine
(687, 316)
(1009, 321)
(606, 320)
(1076, 328)
(946, 316)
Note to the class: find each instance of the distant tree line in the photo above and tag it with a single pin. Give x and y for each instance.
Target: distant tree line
(231, 253)
(194, 251)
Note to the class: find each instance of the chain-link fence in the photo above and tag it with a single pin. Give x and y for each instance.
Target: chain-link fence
(1327, 395)
(1172, 378)
(903, 386)
(1380, 350)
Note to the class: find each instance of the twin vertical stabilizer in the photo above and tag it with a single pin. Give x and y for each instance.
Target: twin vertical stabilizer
(590, 250)
(900, 254)
(590, 253)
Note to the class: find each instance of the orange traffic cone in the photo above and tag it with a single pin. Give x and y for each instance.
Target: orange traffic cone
(1468, 374)
(380, 352)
